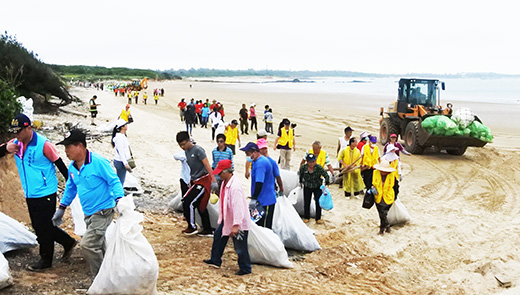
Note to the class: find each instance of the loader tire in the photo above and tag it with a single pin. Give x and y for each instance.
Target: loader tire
(387, 127)
(411, 138)
(457, 151)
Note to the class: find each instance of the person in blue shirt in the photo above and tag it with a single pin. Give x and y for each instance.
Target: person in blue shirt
(221, 152)
(205, 116)
(262, 184)
(36, 158)
(96, 183)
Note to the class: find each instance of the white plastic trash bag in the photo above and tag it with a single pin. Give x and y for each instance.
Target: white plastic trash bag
(5, 276)
(463, 117)
(175, 204)
(296, 198)
(78, 217)
(130, 265)
(290, 180)
(132, 184)
(14, 235)
(288, 225)
(398, 213)
(265, 247)
(213, 210)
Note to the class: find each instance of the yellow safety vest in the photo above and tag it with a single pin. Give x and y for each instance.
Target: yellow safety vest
(370, 158)
(385, 190)
(231, 135)
(321, 158)
(348, 155)
(124, 115)
(286, 137)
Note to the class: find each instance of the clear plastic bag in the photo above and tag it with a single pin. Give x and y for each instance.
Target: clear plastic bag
(398, 213)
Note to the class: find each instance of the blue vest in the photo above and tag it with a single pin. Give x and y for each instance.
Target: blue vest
(37, 173)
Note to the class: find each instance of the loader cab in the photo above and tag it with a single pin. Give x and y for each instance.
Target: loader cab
(413, 92)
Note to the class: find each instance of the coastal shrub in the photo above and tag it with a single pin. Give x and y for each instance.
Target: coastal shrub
(22, 70)
(8, 107)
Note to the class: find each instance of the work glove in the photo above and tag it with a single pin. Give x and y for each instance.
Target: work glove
(374, 191)
(57, 219)
(214, 187)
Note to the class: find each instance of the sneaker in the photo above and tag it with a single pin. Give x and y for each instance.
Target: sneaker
(348, 198)
(67, 251)
(189, 231)
(242, 272)
(319, 221)
(305, 220)
(39, 266)
(357, 197)
(205, 233)
(211, 263)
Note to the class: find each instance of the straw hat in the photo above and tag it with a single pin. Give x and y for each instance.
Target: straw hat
(384, 166)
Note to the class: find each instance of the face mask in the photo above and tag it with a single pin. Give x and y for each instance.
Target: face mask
(249, 159)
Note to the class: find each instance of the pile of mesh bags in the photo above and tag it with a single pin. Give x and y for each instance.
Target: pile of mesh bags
(461, 123)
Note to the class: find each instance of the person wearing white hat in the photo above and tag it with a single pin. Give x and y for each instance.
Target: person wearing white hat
(122, 149)
(392, 157)
(385, 189)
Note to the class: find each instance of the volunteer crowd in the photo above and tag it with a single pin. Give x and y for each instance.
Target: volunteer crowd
(362, 170)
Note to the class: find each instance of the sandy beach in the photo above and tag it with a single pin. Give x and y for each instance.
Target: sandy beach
(465, 210)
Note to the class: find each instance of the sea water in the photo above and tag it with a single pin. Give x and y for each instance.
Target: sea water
(489, 90)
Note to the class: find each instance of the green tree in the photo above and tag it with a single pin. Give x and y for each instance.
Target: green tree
(24, 72)
(8, 107)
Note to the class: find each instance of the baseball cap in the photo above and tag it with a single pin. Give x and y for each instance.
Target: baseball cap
(120, 123)
(393, 135)
(74, 136)
(286, 122)
(19, 122)
(310, 157)
(363, 135)
(250, 147)
(261, 133)
(348, 129)
(373, 139)
(253, 104)
(222, 164)
(261, 143)
(234, 122)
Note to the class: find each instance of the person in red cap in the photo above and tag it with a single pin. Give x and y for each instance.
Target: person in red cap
(393, 140)
(233, 220)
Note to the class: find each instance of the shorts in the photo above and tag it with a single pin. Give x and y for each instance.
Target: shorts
(93, 114)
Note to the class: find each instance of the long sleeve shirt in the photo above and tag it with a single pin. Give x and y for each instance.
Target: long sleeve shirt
(313, 179)
(233, 206)
(122, 148)
(96, 183)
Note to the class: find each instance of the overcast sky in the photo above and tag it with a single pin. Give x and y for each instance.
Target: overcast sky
(366, 36)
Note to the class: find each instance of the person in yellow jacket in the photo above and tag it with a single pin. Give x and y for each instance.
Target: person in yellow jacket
(350, 158)
(125, 114)
(231, 134)
(322, 157)
(145, 97)
(369, 157)
(385, 189)
(285, 143)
